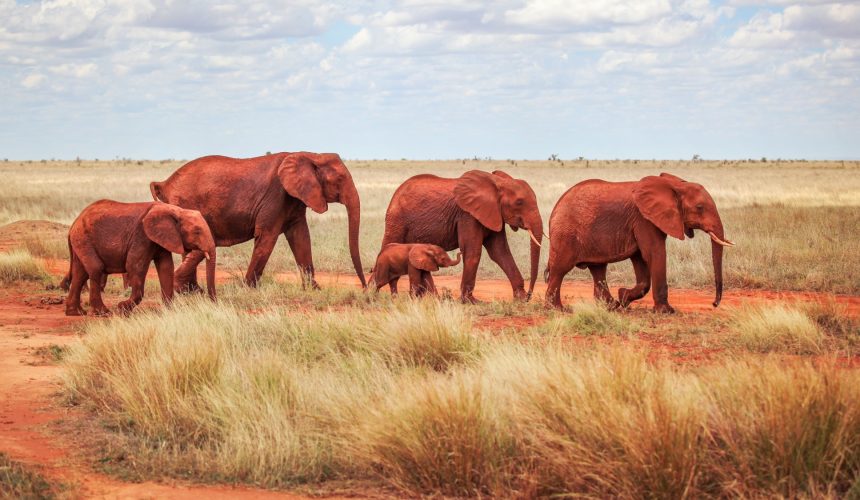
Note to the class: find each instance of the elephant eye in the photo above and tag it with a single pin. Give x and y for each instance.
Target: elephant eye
(700, 207)
(519, 202)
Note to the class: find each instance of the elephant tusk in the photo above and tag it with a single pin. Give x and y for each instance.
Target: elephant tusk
(206, 254)
(532, 236)
(716, 239)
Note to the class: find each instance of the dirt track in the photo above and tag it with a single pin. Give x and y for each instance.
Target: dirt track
(29, 408)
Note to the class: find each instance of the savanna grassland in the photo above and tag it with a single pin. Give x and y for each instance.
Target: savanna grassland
(337, 390)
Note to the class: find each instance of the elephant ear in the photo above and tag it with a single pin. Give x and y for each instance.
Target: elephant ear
(659, 203)
(297, 173)
(671, 177)
(421, 258)
(477, 194)
(161, 226)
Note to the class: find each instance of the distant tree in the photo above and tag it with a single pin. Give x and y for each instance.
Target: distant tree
(696, 157)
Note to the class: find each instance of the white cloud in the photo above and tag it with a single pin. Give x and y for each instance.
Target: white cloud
(75, 70)
(586, 13)
(33, 80)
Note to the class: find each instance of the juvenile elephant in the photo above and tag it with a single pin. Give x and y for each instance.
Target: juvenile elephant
(111, 237)
(466, 213)
(598, 222)
(261, 198)
(417, 260)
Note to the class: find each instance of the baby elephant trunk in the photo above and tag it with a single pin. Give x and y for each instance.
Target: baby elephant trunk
(454, 262)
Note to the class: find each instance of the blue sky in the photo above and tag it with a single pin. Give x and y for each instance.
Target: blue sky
(430, 79)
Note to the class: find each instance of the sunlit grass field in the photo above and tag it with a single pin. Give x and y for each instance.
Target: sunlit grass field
(792, 221)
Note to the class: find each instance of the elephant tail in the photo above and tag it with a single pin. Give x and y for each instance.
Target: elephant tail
(66, 283)
(156, 188)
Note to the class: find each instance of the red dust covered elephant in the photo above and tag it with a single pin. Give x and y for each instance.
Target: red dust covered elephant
(259, 199)
(596, 223)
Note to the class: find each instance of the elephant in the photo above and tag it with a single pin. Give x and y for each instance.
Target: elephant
(466, 213)
(261, 198)
(596, 223)
(417, 260)
(111, 237)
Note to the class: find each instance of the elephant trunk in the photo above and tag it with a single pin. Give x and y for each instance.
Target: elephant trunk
(210, 272)
(453, 262)
(717, 257)
(535, 229)
(350, 200)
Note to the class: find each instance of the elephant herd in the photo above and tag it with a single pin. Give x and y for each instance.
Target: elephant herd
(217, 201)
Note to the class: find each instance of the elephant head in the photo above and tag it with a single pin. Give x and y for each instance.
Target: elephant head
(178, 230)
(497, 199)
(320, 179)
(431, 258)
(677, 207)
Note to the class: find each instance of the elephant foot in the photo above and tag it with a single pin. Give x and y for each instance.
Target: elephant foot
(469, 299)
(75, 311)
(101, 311)
(664, 309)
(125, 307)
(521, 295)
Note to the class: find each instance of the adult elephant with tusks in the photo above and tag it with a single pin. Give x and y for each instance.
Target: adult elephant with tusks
(261, 198)
(467, 213)
(598, 222)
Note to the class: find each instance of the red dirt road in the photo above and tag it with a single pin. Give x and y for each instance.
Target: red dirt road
(29, 407)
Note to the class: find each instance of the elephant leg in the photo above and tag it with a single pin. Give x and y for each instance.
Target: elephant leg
(392, 285)
(164, 266)
(95, 269)
(601, 288)
(557, 268)
(299, 238)
(416, 288)
(471, 259)
(655, 258)
(185, 277)
(470, 247)
(643, 282)
(264, 243)
(77, 279)
(498, 250)
(428, 284)
(137, 282)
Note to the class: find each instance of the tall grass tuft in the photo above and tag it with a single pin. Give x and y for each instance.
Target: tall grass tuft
(589, 318)
(782, 328)
(19, 265)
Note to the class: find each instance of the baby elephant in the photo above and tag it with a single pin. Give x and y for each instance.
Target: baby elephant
(417, 260)
(111, 237)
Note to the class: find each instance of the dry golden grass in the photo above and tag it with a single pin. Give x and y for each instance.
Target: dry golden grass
(408, 394)
(791, 220)
(19, 265)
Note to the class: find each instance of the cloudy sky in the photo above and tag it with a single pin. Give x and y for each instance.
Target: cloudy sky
(430, 79)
